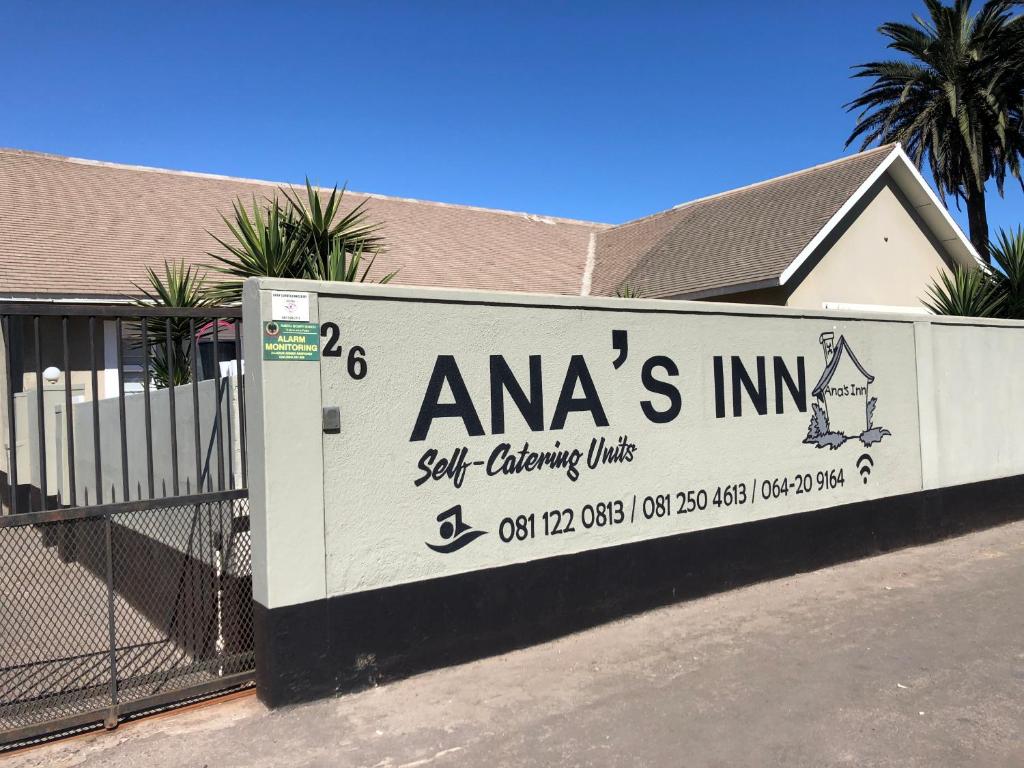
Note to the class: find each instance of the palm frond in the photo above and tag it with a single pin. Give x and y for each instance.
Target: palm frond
(1007, 251)
(954, 98)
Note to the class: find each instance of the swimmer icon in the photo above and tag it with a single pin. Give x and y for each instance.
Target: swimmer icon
(455, 532)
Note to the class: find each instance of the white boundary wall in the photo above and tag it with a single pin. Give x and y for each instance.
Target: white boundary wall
(211, 395)
(931, 402)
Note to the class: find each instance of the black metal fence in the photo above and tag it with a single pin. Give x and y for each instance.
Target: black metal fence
(124, 534)
(115, 609)
(69, 401)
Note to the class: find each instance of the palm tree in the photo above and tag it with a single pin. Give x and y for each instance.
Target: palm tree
(309, 239)
(954, 100)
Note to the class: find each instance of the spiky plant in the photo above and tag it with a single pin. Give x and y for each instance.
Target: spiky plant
(265, 243)
(346, 264)
(309, 239)
(1008, 257)
(170, 342)
(990, 291)
(966, 293)
(170, 370)
(628, 291)
(953, 100)
(325, 228)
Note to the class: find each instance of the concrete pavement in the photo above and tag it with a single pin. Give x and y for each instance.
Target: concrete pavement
(912, 658)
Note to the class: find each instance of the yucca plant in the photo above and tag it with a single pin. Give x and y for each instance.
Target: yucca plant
(965, 293)
(296, 239)
(180, 287)
(170, 370)
(319, 223)
(627, 291)
(266, 243)
(343, 264)
(989, 291)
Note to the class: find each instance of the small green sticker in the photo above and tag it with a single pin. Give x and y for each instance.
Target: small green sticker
(287, 340)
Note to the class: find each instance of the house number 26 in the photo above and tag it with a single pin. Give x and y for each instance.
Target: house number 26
(332, 348)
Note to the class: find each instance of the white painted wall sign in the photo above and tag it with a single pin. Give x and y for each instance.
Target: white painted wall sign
(477, 433)
(435, 433)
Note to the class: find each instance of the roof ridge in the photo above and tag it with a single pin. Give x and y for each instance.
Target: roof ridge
(278, 184)
(889, 151)
(792, 174)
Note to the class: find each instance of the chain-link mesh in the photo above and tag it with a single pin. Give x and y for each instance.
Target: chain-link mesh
(100, 612)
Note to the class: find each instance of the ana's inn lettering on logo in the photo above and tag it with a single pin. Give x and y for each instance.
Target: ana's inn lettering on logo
(843, 408)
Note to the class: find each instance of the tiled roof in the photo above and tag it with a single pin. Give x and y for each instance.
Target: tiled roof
(73, 227)
(743, 236)
(83, 228)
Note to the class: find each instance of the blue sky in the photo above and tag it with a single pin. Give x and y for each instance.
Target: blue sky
(600, 111)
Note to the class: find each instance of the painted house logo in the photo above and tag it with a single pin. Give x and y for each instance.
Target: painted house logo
(843, 408)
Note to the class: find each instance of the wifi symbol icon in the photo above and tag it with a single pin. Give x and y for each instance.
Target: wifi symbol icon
(864, 465)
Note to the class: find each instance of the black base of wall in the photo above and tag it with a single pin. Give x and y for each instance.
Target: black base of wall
(344, 643)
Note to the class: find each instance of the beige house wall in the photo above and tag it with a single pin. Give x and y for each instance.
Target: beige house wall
(883, 258)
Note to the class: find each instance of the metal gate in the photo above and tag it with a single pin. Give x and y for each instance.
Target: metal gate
(125, 580)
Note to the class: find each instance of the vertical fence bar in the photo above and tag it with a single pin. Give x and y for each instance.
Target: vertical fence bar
(120, 411)
(195, 405)
(69, 415)
(240, 374)
(111, 720)
(218, 553)
(169, 356)
(218, 574)
(12, 432)
(95, 411)
(205, 541)
(144, 325)
(40, 413)
(218, 422)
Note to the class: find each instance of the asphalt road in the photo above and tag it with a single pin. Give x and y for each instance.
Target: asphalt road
(913, 658)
